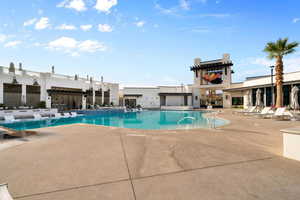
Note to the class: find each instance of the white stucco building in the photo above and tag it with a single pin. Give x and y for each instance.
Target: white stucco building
(158, 97)
(212, 85)
(245, 93)
(24, 87)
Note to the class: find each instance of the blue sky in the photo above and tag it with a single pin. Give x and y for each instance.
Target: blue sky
(145, 42)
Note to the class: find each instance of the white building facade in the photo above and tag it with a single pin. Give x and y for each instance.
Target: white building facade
(244, 94)
(158, 97)
(212, 86)
(23, 87)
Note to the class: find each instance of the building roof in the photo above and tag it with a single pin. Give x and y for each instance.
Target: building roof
(211, 64)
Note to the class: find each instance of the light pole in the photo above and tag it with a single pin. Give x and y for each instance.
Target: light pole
(272, 88)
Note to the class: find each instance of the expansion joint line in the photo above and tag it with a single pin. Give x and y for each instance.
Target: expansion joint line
(127, 165)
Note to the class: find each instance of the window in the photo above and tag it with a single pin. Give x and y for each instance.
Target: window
(196, 98)
(237, 101)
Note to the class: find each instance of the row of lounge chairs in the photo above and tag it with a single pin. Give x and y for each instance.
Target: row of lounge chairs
(38, 116)
(268, 112)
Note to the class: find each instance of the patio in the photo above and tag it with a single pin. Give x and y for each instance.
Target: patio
(238, 161)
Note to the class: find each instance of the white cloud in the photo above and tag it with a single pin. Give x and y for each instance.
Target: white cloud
(3, 37)
(86, 27)
(30, 22)
(43, 23)
(91, 46)
(77, 5)
(73, 46)
(12, 43)
(104, 28)
(184, 4)
(140, 23)
(105, 5)
(295, 20)
(63, 43)
(166, 11)
(66, 27)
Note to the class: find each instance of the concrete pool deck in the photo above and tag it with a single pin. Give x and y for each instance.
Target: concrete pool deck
(241, 160)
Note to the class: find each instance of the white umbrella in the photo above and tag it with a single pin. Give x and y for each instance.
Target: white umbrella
(294, 98)
(258, 98)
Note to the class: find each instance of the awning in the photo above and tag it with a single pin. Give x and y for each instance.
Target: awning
(174, 94)
(260, 86)
(216, 65)
(132, 95)
(65, 91)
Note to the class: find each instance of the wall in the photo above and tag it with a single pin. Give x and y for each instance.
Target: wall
(150, 95)
(48, 80)
(149, 98)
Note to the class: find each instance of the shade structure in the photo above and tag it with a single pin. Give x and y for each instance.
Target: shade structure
(294, 98)
(258, 98)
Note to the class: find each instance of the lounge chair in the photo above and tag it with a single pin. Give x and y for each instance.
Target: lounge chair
(74, 114)
(242, 111)
(292, 116)
(10, 119)
(252, 110)
(265, 112)
(66, 115)
(4, 194)
(58, 115)
(38, 116)
(281, 114)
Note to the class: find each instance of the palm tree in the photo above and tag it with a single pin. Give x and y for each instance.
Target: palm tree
(278, 50)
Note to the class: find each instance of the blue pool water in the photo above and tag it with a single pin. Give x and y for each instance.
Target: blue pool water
(150, 120)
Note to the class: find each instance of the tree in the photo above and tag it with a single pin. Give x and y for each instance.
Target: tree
(277, 50)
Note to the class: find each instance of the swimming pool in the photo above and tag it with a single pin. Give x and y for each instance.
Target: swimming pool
(149, 120)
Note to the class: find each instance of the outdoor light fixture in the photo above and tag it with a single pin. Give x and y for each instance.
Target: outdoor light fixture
(14, 80)
(35, 83)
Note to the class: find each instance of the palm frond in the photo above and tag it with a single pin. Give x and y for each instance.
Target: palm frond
(280, 48)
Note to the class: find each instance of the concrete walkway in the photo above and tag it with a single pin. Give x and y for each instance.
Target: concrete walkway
(238, 161)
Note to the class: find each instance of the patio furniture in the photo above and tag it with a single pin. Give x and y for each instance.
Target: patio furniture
(265, 112)
(58, 115)
(253, 110)
(74, 114)
(242, 111)
(38, 116)
(66, 115)
(4, 193)
(9, 119)
(281, 114)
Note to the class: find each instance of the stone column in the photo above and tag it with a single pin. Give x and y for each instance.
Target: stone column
(83, 102)
(102, 94)
(94, 96)
(23, 96)
(1, 93)
(265, 96)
